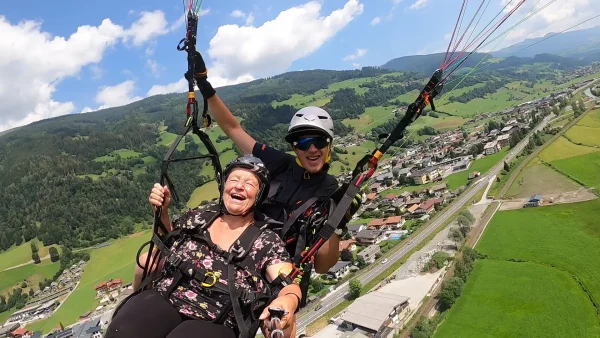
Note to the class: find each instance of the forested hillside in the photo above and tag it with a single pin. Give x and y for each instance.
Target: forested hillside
(82, 179)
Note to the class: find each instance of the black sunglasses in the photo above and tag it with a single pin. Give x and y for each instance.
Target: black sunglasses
(305, 143)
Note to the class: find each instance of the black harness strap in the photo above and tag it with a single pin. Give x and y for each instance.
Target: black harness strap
(238, 252)
(296, 214)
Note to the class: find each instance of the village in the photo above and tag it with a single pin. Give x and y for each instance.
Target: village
(385, 217)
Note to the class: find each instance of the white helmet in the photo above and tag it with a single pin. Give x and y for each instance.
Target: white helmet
(307, 120)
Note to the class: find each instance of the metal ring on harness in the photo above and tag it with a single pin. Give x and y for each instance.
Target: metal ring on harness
(214, 281)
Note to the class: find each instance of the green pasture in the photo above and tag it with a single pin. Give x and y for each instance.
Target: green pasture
(114, 261)
(508, 299)
(563, 236)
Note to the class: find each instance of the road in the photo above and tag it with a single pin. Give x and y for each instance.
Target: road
(337, 296)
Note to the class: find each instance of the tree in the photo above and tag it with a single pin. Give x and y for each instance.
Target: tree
(469, 255)
(23, 285)
(346, 255)
(463, 220)
(468, 215)
(36, 258)
(506, 166)
(54, 256)
(316, 284)
(361, 262)
(450, 292)
(462, 270)
(34, 248)
(355, 288)
(456, 236)
(581, 105)
(31, 293)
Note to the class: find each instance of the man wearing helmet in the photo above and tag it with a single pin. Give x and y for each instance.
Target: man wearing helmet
(295, 180)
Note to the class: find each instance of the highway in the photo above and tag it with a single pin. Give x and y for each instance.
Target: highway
(337, 296)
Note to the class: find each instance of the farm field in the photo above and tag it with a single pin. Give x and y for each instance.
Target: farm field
(582, 135)
(535, 273)
(563, 148)
(583, 168)
(32, 273)
(482, 165)
(579, 161)
(114, 261)
(538, 178)
(21, 254)
(491, 305)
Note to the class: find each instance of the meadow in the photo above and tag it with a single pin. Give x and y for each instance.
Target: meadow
(542, 266)
(21, 254)
(114, 261)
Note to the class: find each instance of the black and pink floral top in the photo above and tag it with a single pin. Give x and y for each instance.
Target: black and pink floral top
(190, 298)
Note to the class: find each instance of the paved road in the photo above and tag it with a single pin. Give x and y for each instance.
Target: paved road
(337, 296)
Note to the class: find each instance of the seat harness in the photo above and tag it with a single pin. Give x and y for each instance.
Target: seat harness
(246, 305)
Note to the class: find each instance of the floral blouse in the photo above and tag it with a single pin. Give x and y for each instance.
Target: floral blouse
(190, 298)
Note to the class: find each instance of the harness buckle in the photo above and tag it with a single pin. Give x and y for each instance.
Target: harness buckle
(174, 259)
(212, 283)
(238, 251)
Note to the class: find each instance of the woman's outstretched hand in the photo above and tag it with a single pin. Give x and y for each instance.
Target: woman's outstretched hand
(288, 303)
(160, 197)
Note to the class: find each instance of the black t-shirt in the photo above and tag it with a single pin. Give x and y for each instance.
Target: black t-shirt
(291, 185)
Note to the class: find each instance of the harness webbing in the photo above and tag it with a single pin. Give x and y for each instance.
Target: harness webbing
(187, 44)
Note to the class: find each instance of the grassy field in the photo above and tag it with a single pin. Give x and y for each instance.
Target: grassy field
(580, 162)
(123, 153)
(32, 273)
(584, 168)
(482, 165)
(566, 236)
(21, 254)
(114, 261)
(508, 299)
(563, 148)
(540, 179)
(586, 136)
(543, 264)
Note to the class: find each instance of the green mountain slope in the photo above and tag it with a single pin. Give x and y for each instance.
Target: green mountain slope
(82, 179)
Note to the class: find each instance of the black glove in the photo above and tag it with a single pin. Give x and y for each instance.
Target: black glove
(201, 76)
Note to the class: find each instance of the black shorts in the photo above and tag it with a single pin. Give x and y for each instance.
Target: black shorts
(149, 315)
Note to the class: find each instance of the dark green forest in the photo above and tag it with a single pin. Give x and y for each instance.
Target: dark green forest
(57, 190)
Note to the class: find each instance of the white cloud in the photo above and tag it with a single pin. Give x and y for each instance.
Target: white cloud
(34, 73)
(240, 53)
(118, 95)
(150, 25)
(375, 21)
(175, 87)
(419, 4)
(96, 72)
(249, 20)
(86, 109)
(356, 65)
(30, 75)
(238, 14)
(155, 68)
(149, 51)
(558, 16)
(359, 53)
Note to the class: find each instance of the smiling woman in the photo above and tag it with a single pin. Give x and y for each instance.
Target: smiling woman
(219, 267)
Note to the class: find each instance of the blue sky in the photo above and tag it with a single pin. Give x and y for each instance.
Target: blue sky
(133, 55)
